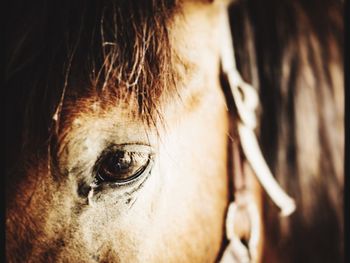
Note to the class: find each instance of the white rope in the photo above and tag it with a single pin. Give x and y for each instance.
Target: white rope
(246, 100)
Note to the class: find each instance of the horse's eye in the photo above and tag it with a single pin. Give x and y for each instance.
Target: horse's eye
(121, 166)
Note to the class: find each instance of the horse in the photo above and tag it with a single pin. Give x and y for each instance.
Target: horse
(133, 131)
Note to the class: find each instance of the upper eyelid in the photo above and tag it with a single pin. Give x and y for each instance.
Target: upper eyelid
(127, 147)
(83, 166)
(134, 147)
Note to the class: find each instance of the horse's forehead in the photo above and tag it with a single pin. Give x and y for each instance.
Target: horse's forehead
(195, 49)
(194, 34)
(94, 117)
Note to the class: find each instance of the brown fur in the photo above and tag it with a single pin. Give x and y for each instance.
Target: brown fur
(176, 216)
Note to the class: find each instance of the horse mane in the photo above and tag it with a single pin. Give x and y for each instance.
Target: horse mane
(68, 49)
(292, 52)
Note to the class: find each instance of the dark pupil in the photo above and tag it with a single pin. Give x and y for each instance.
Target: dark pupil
(121, 161)
(116, 167)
